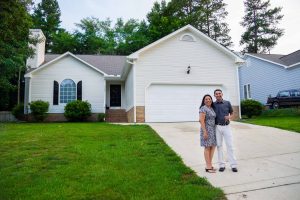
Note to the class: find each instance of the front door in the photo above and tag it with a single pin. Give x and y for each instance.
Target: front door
(115, 95)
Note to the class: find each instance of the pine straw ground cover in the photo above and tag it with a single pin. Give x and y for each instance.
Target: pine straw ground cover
(93, 161)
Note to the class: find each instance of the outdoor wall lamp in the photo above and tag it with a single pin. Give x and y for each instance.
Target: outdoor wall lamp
(188, 70)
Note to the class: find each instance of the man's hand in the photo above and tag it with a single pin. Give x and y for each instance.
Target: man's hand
(227, 118)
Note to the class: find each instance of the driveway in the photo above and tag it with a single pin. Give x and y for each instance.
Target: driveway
(268, 159)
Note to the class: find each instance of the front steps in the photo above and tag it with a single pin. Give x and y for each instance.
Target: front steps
(116, 115)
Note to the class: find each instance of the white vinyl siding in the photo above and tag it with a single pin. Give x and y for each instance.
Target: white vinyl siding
(69, 68)
(129, 90)
(168, 61)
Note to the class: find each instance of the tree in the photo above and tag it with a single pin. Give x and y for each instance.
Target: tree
(130, 36)
(94, 36)
(214, 26)
(46, 16)
(14, 50)
(260, 22)
(162, 21)
(64, 41)
(207, 16)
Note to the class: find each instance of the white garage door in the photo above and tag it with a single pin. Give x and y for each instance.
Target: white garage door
(175, 103)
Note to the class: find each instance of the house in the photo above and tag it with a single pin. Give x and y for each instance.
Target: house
(263, 75)
(162, 82)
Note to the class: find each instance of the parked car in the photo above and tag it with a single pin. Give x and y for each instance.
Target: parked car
(285, 98)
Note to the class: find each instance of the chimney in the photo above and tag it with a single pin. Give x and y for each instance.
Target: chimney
(39, 49)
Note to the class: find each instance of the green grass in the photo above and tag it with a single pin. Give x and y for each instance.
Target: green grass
(93, 161)
(287, 119)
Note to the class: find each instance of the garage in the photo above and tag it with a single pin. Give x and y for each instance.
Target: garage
(175, 103)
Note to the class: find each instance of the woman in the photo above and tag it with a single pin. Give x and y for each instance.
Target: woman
(207, 132)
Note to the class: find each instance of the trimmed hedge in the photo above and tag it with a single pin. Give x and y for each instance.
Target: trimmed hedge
(39, 109)
(251, 108)
(77, 110)
(18, 111)
(101, 117)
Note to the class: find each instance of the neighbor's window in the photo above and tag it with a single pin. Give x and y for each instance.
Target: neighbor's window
(247, 91)
(67, 91)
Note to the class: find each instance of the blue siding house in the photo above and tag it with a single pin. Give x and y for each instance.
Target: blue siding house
(266, 74)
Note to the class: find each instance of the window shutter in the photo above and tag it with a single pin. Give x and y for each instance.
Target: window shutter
(55, 93)
(79, 90)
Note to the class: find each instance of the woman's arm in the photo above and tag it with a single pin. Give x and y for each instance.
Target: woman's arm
(202, 122)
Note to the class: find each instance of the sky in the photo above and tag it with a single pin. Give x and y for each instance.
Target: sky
(72, 11)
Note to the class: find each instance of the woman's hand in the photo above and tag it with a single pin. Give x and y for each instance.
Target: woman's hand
(205, 135)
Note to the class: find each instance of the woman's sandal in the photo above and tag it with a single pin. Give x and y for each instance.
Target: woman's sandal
(212, 170)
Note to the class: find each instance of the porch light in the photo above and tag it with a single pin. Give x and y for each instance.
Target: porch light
(188, 69)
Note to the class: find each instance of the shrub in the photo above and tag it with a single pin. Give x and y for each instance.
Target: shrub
(101, 117)
(39, 109)
(251, 107)
(18, 111)
(77, 110)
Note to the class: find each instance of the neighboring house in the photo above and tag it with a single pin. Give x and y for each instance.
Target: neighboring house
(266, 74)
(162, 82)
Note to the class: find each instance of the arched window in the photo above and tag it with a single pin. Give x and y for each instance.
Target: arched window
(67, 91)
(187, 37)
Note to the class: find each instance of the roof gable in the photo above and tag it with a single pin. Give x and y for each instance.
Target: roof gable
(201, 35)
(91, 61)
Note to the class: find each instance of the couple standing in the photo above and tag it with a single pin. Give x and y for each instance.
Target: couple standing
(214, 120)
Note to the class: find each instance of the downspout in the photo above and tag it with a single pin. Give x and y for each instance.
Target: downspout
(134, 89)
(27, 94)
(238, 91)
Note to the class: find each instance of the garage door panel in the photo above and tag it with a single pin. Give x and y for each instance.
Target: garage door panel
(175, 103)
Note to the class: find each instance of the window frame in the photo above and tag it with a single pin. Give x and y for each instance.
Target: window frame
(247, 91)
(74, 90)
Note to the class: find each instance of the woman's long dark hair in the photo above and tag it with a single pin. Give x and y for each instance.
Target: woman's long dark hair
(212, 103)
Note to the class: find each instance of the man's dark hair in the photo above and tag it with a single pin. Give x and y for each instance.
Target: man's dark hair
(217, 90)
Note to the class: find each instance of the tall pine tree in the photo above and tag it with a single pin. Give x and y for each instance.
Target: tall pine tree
(46, 16)
(15, 22)
(260, 22)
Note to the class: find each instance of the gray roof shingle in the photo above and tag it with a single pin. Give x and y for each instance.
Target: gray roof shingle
(110, 64)
(291, 58)
(286, 60)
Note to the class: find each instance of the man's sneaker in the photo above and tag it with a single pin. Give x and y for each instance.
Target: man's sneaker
(234, 169)
(221, 169)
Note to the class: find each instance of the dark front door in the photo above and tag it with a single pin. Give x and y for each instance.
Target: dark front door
(115, 95)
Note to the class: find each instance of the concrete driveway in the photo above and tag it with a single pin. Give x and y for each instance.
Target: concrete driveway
(268, 159)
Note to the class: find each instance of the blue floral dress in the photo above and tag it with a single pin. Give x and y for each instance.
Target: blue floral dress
(210, 116)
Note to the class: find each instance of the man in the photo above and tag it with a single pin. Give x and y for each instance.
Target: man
(223, 110)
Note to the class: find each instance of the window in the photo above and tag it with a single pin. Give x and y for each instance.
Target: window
(188, 38)
(67, 91)
(284, 94)
(247, 91)
(295, 93)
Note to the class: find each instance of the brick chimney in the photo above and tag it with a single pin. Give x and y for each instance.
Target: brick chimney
(39, 49)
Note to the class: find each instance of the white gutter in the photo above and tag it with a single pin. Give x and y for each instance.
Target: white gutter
(134, 92)
(239, 96)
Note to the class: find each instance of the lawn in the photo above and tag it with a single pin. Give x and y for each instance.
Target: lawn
(93, 161)
(287, 119)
